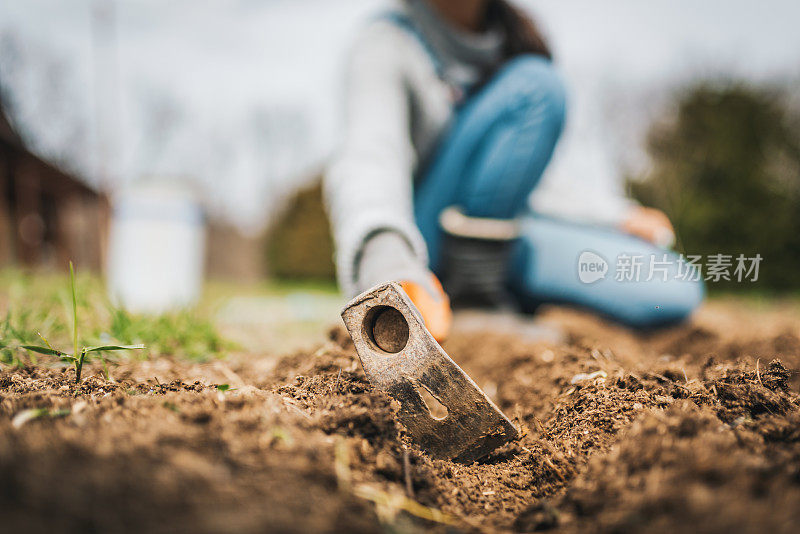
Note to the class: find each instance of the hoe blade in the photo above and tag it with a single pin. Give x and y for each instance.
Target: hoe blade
(400, 357)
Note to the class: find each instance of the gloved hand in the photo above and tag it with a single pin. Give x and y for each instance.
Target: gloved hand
(387, 257)
(651, 225)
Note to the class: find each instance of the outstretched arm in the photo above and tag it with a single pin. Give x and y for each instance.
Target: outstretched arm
(571, 200)
(369, 185)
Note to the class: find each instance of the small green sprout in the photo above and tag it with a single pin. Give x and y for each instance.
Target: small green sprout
(224, 387)
(78, 356)
(172, 406)
(278, 434)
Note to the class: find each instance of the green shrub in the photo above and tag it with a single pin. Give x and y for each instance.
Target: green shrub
(299, 244)
(726, 170)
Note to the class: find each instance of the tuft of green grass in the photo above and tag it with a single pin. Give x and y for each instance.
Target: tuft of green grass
(182, 334)
(78, 357)
(22, 324)
(11, 340)
(40, 302)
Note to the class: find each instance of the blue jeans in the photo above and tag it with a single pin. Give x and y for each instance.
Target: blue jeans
(488, 164)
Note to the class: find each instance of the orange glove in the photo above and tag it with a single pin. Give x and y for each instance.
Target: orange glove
(434, 309)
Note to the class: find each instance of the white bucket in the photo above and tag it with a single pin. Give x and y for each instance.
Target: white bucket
(156, 249)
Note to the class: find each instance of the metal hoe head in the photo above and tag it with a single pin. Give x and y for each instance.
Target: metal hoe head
(399, 356)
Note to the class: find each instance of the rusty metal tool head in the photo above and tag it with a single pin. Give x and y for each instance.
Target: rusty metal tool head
(400, 357)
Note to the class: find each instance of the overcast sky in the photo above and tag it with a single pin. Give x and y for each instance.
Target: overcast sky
(241, 96)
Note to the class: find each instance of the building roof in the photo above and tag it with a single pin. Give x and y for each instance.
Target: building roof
(7, 132)
(56, 176)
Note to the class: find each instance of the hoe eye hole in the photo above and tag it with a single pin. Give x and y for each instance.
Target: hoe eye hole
(386, 328)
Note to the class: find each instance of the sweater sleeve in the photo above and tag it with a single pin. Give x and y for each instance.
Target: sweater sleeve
(369, 186)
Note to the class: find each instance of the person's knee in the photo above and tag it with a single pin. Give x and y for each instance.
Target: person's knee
(665, 304)
(533, 82)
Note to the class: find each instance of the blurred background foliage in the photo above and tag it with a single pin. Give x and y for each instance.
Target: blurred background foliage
(726, 170)
(299, 244)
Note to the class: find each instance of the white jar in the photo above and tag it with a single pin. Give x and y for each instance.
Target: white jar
(156, 249)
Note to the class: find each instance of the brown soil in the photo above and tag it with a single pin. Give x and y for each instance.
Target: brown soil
(696, 428)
